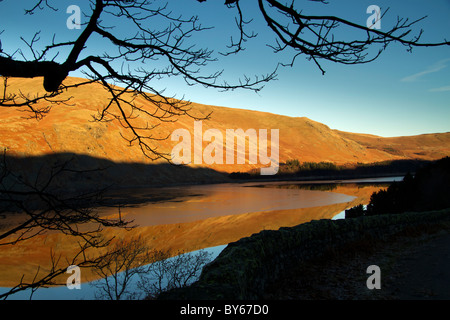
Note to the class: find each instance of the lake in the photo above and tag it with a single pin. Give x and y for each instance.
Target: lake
(190, 218)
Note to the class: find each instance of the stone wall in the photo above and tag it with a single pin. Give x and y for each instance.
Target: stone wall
(246, 266)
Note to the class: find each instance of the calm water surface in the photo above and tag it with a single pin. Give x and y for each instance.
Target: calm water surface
(194, 203)
(209, 216)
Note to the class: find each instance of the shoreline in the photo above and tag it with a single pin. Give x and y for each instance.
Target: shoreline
(322, 178)
(241, 271)
(316, 180)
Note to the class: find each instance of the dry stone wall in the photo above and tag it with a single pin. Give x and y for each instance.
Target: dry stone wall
(245, 267)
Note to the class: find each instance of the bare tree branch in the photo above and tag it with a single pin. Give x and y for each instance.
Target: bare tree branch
(313, 36)
(168, 44)
(38, 208)
(166, 49)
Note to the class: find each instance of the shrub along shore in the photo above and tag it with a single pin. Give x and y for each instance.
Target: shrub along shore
(246, 267)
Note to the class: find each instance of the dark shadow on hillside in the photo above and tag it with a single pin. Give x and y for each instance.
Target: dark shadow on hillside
(428, 189)
(95, 181)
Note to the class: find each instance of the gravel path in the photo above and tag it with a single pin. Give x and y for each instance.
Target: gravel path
(412, 267)
(424, 272)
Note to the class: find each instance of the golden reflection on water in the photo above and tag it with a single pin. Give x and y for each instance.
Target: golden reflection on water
(192, 231)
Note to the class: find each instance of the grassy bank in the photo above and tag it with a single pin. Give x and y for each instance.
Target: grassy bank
(246, 268)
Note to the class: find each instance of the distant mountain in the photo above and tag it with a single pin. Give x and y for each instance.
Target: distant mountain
(69, 129)
(425, 146)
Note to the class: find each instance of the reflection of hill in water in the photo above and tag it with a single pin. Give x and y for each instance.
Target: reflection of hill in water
(86, 181)
(187, 236)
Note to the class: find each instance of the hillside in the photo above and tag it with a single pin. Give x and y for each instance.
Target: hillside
(69, 129)
(426, 146)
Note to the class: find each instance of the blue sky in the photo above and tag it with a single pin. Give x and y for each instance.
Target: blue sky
(401, 93)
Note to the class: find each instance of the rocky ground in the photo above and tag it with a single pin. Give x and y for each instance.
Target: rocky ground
(413, 266)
